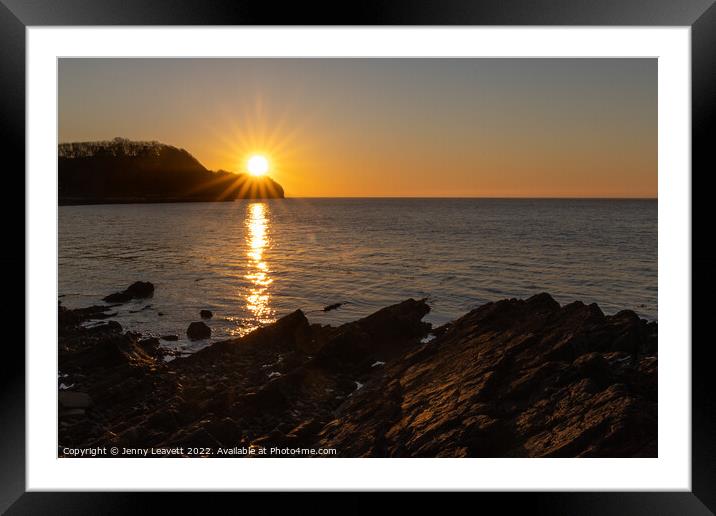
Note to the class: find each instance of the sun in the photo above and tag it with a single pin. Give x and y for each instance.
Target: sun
(257, 165)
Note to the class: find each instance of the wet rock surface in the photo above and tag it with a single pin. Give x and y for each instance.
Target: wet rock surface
(515, 378)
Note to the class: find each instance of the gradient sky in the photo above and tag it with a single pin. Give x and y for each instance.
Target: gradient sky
(386, 127)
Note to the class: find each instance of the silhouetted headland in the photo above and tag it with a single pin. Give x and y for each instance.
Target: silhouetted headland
(513, 378)
(124, 171)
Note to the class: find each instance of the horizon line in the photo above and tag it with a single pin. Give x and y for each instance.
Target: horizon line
(586, 198)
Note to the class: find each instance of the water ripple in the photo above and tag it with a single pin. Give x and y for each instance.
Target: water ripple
(250, 262)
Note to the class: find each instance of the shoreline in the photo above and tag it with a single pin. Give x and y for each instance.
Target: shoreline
(512, 378)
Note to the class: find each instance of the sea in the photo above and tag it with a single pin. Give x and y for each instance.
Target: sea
(251, 262)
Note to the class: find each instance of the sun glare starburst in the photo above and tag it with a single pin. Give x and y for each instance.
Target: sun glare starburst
(257, 165)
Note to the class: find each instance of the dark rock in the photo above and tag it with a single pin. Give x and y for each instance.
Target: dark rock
(593, 365)
(145, 307)
(514, 378)
(110, 327)
(67, 317)
(150, 344)
(225, 431)
(169, 337)
(271, 398)
(306, 431)
(96, 172)
(206, 314)
(163, 420)
(198, 330)
(385, 333)
(289, 333)
(73, 400)
(140, 289)
(75, 412)
(275, 438)
(106, 350)
(137, 290)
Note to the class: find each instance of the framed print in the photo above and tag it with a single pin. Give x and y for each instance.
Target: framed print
(420, 249)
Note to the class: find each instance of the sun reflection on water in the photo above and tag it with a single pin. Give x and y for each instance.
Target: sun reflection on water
(258, 273)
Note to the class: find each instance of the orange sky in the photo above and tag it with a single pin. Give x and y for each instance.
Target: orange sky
(387, 127)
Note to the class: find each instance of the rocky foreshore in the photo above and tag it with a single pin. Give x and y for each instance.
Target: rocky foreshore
(514, 378)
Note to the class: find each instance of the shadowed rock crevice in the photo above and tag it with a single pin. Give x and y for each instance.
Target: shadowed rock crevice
(514, 378)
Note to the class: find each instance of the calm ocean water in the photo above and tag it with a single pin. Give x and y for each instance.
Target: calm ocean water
(251, 262)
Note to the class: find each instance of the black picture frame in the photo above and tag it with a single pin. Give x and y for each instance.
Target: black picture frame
(700, 15)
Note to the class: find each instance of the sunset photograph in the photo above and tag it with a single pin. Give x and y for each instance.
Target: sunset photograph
(357, 257)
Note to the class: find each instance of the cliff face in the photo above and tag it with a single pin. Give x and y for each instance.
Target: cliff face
(510, 379)
(123, 171)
